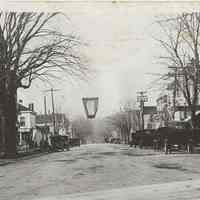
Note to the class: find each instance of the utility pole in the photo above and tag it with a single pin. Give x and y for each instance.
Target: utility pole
(45, 110)
(174, 90)
(45, 117)
(141, 98)
(53, 112)
(53, 108)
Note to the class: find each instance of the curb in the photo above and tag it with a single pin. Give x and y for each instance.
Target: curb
(27, 156)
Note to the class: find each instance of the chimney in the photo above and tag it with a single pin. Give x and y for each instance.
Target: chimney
(31, 107)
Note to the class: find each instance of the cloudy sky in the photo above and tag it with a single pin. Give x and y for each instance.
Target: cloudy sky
(120, 48)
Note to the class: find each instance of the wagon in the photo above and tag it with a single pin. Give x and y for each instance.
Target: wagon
(194, 140)
(145, 138)
(173, 139)
(115, 140)
(59, 142)
(159, 137)
(135, 138)
(74, 142)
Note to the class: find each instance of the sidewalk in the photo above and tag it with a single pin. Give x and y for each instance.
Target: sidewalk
(4, 162)
(181, 190)
(22, 156)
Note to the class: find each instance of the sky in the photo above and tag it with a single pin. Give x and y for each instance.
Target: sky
(120, 48)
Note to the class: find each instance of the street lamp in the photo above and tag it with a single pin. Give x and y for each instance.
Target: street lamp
(91, 106)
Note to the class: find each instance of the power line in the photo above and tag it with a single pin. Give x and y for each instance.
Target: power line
(53, 107)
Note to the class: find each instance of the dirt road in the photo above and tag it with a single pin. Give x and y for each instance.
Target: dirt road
(93, 167)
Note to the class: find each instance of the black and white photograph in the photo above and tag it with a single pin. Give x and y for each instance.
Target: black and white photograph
(99, 100)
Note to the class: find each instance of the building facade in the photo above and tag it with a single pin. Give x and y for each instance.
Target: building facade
(61, 124)
(26, 124)
(149, 112)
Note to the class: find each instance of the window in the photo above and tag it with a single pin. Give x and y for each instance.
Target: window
(22, 121)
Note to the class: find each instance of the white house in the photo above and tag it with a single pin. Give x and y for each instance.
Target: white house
(26, 123)
(165, 107)
(61, 124)
(149, 112)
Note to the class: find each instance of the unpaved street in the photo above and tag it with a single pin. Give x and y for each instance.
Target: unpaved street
(93, 167)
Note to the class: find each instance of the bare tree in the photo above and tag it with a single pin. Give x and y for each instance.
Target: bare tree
(83, 129)
(181, 44)
(119, 122)
(31, 49)
(106, 128)
(125, 120)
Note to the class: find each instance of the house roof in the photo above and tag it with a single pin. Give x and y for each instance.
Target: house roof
(150, 110)
(60, 117)
(22, 108)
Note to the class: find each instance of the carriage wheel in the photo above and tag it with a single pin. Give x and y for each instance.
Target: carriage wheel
(140, 144)
(154, 147)
(166, 149)
(188, 148)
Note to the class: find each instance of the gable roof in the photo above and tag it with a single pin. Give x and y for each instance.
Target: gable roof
(22, 108)
(59, 117)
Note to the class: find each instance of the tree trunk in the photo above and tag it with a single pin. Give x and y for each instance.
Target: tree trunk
(128, 137)
(193, 116)
(2, 135)
(2, 117)
(122, 134)
(10, 114)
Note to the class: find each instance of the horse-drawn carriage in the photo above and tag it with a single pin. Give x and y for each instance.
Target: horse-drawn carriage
(74, 142)
(176, 136)
(59, 142)
(143, 138)
(134, 139)
(115, 140)
(173, 139)
(194, 140)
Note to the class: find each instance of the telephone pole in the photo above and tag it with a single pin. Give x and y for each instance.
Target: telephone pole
(53, 108)
(141, 98)
(174, 90)
(45, 117)
(45, 110)
(176, 74)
